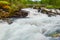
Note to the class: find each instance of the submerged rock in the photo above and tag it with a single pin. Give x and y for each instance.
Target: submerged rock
(8, 20)
(53, 32)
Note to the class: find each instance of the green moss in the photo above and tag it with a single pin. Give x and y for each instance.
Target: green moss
(49, 6)
(4, 2)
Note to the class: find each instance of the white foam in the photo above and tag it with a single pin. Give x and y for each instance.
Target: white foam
(32, 28)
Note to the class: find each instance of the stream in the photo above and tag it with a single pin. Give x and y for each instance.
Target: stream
(33, 27)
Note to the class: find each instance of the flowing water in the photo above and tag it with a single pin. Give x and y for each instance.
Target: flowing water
(34, 27)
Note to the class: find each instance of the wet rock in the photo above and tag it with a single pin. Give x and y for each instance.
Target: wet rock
(24, 13)
(8, 20)
(58, 11)
(53, 32)
(39, 9)
(49, 12)
(20, 13)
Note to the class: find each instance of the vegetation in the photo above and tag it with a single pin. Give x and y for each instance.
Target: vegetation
(9, 6)
(54, 3)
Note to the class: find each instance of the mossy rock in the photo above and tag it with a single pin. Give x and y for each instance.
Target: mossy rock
(3, 14)
(55, 35)
(5, 5)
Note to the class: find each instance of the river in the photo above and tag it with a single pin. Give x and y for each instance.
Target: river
(33, 27)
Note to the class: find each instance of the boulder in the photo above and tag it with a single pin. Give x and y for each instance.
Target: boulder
(58, 11)
(20, 14)
(23, 13)
(49, 12)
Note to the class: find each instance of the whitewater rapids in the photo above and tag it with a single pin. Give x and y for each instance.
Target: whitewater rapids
(31, 28)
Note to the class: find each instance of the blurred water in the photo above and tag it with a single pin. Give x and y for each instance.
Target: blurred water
(33, 28)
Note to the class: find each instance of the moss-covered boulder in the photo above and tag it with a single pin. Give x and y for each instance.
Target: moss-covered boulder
(5, 5)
